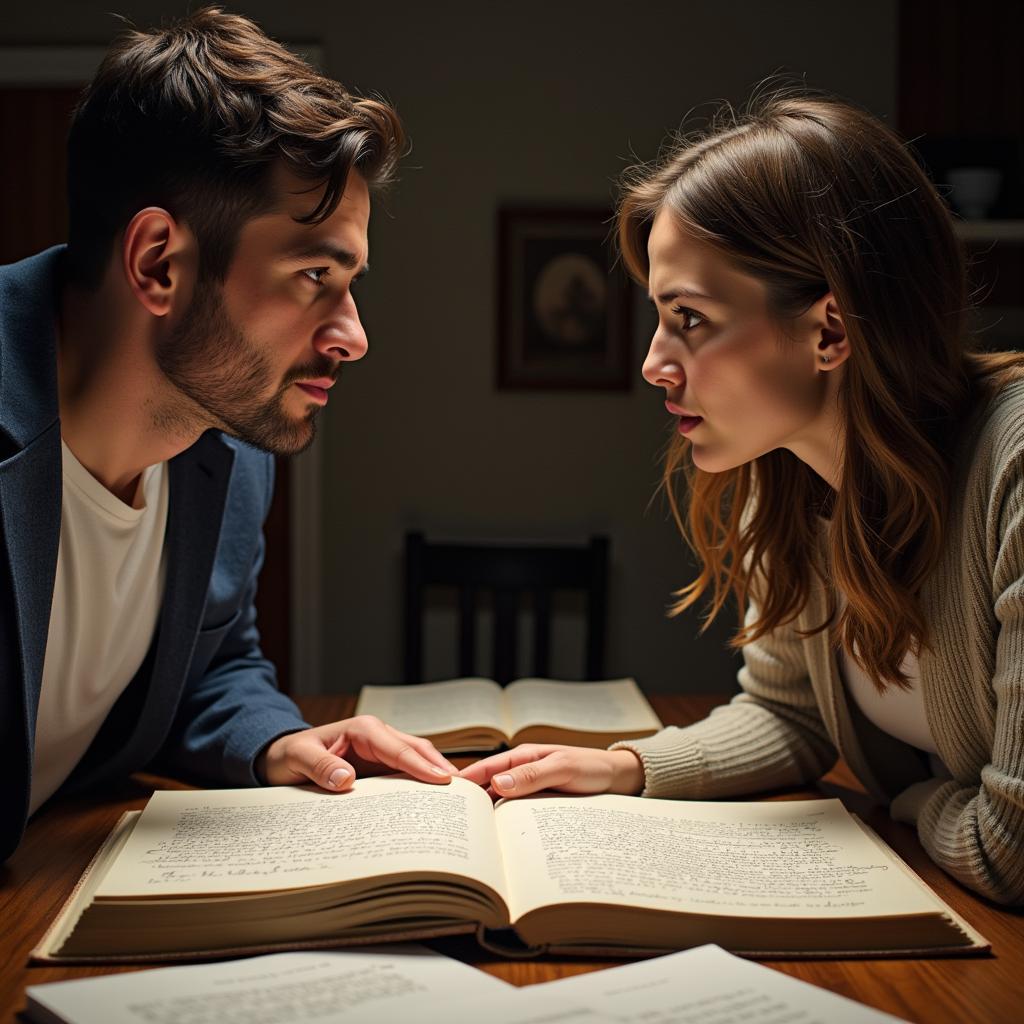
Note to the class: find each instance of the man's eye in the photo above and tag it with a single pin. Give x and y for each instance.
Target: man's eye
(691, 318)
(317, 274)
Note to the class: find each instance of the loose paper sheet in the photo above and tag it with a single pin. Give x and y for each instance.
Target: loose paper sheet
(400, 983)
(705, 985)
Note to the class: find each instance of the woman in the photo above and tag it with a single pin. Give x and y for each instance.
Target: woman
(854, 476)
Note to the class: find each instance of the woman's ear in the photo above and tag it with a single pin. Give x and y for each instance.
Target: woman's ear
(831, 345)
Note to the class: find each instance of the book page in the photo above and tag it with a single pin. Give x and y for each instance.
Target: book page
(427, 709)
(399, 983)
(282, 837)
(766, 859)
(609, 707)
(706, 985)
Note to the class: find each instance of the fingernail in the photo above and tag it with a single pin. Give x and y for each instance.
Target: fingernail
(505, 781)
(338, 776)
(439, 771)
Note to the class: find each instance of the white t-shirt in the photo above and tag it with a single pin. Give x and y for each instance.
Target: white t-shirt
(106, 601)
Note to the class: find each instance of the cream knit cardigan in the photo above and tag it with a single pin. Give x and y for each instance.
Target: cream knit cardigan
(793, 718)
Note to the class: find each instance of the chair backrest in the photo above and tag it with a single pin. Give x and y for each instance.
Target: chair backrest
(506, 571)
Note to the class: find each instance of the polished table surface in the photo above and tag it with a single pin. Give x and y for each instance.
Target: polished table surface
(61, 840)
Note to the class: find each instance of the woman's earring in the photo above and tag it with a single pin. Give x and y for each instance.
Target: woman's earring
(826, 359)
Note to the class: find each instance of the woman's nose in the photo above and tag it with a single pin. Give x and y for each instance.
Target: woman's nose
(661, 369)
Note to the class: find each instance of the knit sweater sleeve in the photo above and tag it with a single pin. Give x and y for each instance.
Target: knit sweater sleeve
(768, 736)
(976, 833)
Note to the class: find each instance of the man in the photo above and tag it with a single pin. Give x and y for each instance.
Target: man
(219, 199)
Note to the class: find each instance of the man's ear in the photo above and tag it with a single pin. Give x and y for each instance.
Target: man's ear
(831, 345)
(158, 258)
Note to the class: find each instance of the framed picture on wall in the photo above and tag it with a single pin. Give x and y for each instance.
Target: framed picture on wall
(563, 301)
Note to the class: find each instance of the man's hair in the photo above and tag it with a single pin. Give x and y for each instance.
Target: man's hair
(193, 118)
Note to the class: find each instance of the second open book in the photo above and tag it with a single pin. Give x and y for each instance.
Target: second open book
(478, 714)
(206, 873)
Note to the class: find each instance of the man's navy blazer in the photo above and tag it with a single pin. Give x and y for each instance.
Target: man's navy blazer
(205, 702)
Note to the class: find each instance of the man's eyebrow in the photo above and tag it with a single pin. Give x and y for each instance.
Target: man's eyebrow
(325, 250)
(680, 293)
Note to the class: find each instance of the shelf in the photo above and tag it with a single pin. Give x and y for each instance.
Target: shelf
(990, 230)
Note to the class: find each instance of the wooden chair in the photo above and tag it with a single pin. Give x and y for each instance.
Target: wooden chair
(507, 572)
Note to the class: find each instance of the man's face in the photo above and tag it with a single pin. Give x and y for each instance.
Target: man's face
(258, 354)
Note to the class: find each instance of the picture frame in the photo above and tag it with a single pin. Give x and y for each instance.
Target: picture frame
(563, 302)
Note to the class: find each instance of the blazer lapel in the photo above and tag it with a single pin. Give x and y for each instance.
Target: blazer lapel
(199, 481)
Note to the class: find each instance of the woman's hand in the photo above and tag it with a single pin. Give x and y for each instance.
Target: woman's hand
(532, 767)
(333, 755)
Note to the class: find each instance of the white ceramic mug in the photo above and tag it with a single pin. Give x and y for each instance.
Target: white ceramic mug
(974, 189)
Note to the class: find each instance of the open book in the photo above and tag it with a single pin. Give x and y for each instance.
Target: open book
(207, 873)
(478, 714)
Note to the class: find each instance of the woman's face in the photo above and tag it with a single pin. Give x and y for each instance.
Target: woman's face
(741, 383)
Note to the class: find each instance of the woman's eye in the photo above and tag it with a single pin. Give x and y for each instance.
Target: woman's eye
(317, 274)
(691, 318)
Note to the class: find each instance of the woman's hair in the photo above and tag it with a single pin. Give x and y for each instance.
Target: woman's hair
(809, 194)
(193, 117)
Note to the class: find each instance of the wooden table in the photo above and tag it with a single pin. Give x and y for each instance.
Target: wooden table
(61, 840)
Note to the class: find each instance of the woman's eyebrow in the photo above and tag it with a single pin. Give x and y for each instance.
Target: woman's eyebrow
(680, 293)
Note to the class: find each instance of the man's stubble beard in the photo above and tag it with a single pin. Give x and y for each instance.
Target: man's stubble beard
(220, 374)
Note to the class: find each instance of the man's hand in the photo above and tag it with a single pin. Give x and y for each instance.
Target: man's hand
(333, 755)
(532, 767)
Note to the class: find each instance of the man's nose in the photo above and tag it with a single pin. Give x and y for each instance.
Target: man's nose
(342, 337)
